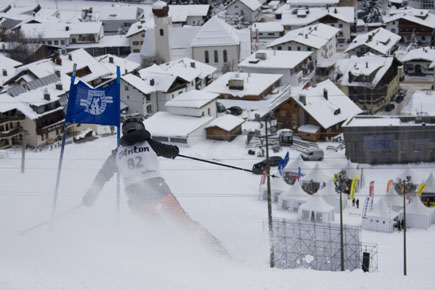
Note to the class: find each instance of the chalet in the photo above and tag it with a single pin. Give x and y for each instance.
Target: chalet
(226, 127)
(389, 139)
(242, 11)
(244, 86)
(295, 66)
(342, 18)
(136, 36)
(379, 42)
(406, 21)
(419, 61)
(7, 68)
(316, 112)
(192, 15)
(370, 81)
(217, 44)
(320, 39)
(267, 30)
(118, 19)
(111, 62)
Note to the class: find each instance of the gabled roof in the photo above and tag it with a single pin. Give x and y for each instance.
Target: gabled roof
(188, 69)
(192, 99)
(313, 14)
(421, 53)
(136, 28)
(162, 79)
(380, 40)
(60, 30)
(253, 5)
(363, 66)
(275, 59)
(142, 85)
(215, 32)
(417, 16)
(316, 35)
(323, 110)
(227, 122)
(125, 66)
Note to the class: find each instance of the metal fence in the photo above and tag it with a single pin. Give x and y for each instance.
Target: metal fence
(317, 246)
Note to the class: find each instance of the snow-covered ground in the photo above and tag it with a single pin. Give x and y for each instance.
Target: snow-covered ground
(92, 248)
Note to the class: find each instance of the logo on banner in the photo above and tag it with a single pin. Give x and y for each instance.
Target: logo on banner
(96, 102)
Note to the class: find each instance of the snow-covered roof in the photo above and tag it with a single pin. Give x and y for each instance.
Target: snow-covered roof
(408, 171)
(117, 12)
(363, 66)
(142, 85)
(417, 16)
(316, 35)
(253, 5)
(316, 175)
(106, 41)
(313, 14)
(215, 32)
(136, 28)
(380, 40)
(421, 103)
(110, 62)
(181, 39)
(162, 79)
(272, 26)
(226, 122)
(166, 124)
(421, 53)
(60, 30)
(416, 207)
(316, 203)
(351, 170)
(309, 128)
(295, 193)
(254, 83)
(188, 69)
(296, 164)
(275, 59)
(377, 121)
(7, 65)
(381, 210)
(430, 184)
(188, 10)
(192, 99)
(323, 110)
(392, 199)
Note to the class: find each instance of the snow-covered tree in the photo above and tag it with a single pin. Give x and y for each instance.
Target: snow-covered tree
(413, 44)
(372, 12)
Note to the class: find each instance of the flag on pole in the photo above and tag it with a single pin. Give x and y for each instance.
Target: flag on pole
(372, 193)
(263, 177)
(299, 173)
(94, 106)
(280, 167)
(286, 159)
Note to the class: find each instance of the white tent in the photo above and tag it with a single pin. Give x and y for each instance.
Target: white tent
(292, 169)
(277, 187)
(408, 172)
(381, 218)
(429, 190)
(393, 199)
(293, 198)
(351, 170)
(316, 209)
(418, 215)
(317, 177)
(330, 195)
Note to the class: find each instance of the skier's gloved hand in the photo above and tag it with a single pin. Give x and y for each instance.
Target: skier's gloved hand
(89, 198)
(176, 151)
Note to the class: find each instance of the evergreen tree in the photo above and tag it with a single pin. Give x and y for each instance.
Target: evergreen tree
(373, 12)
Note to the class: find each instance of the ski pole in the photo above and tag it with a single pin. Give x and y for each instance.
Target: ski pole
(221, 164)
(21, 233)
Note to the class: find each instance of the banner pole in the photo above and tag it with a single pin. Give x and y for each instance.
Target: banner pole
(62, 149)
(118, 135)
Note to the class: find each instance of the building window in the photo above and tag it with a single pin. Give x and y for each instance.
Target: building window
(49, 42)
(135, 42)
(299, 48)
(340, 25)
(56, 42)
(279, 47)
(225, 55)
(216, 56)
(206, 56)
(209, 113)
(126, 88)
(161, 32)
(62, 42)
(289, 48)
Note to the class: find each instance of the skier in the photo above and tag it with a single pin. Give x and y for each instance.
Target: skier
(148, 194)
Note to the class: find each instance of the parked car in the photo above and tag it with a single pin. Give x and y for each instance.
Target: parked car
(259, 167)
(399, 98)
(315, 154)
(389, 107)
(235, 110)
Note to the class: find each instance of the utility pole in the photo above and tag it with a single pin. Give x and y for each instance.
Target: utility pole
(23, 149)
(404, 229)
(341, 231)
(269, 201)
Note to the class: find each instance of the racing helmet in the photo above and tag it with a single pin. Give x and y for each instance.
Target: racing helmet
(132, 124)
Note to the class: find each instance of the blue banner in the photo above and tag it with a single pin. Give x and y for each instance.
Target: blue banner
(94, 106)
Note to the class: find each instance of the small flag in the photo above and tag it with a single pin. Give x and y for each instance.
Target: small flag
(280, 167)
(94, 106)
(286, 159)
(263, 177)
(372, 193)
(299, 173)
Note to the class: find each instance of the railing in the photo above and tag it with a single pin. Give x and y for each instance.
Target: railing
(10, 133)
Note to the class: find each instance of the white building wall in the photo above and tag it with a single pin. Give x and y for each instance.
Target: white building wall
(137, 101)
(239, 9)
(233, 56)
(136, 42)
(207, 111)
(162, 34)
(195, 20)
(288, 77)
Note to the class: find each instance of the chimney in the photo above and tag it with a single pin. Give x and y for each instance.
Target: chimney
(325, 93)
(335, 10)
(57, 73)
(111, 59)
(67, 28)
(338, 111)
(58, 61)
(367, 64)
(46, 95)
(303, 99)
(192, 64)
(59, 86)
(5, 72)
(151, 82)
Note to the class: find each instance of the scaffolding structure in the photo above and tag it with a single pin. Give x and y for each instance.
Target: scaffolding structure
(317, 246)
